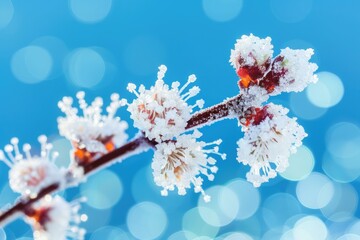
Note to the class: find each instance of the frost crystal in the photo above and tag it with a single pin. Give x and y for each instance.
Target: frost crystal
(251, 59)
(270, 138)
(29, 174)
(92, 132)
(292, 71)
(162, 112)
(55, 219)
(251, 50)
(179, 163)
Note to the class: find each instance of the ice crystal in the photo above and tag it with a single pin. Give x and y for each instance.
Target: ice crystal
(270, 138)
(29, 174)
(181, 162)
(92, 133)
(292, 71)
(54, 218)
(250, 51)
(162, 111)
(251, 59)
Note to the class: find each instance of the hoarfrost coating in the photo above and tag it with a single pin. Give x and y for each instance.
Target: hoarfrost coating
(290, 71)
(164, 119)
(251, 50)
(92, 130)
(267, 146)
(162, 112)
(294, 70)
(181, 163)
(54, 218)
(29, 174)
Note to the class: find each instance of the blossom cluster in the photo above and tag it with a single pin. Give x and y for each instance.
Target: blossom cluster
(253, 61)
(166, 118)
(162, 113)
(92, 134)
(52, 217)
(270, 136)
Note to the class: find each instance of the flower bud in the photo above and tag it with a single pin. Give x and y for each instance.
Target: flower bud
(251, 59)
(291, 71)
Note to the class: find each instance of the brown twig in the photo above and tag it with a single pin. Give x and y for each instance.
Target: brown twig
(226, 109)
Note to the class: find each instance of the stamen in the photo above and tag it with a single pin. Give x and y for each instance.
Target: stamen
(191, 79)
(5, 160)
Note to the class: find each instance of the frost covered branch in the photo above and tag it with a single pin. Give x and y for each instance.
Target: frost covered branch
(137, 145)
(169, 126)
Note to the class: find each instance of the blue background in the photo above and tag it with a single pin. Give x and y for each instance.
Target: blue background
(132, 39)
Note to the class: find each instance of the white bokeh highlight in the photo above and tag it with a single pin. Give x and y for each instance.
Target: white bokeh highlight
(194, 223)
(316, 191)
(301, 164)
(223, 207)
(327, 92)
(310, 228)
(343, 204)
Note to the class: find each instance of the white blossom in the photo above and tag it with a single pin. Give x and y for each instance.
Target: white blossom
(267, 145)
(181, 162)
(53, 218)
(29, 174)
(251, 50)
(162, 111)
(293, 70)
(97, 132)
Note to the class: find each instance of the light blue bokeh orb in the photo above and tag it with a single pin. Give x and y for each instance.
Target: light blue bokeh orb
(222, 10)
(109, 233)
(303, 108)
(85, 67)
(193, 222)
(248, 198)
(90, 11)
(300, 164)
(102, 190)
(291, 11)
(31, 64)
(6, 12)
(327, 92)
(146, 220)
